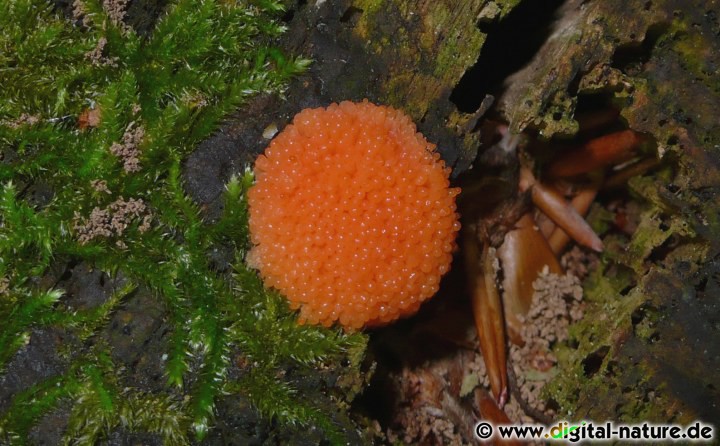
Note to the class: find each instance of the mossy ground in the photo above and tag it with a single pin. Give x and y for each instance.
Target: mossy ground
(143, 321)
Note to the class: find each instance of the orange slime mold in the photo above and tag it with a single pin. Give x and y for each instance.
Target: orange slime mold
(352, 216)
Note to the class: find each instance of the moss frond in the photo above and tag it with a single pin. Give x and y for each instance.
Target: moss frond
(279, 401)
(101, 406)
(29, 405)
(232, 227)
(86, 323)
(20, 316)
(156, 414)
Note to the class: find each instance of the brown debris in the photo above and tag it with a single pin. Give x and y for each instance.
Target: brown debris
(597, 153)
(429, 409)
(24, 119)
(100, 186)
(430, 396)
(627, 215)
(145, 225)
(579, 262)
(96, 54)
(425, 421)
(80, 12)
(4, 286)
(112, 220)
(487, 311)
(128, 149)
(557, 302)
(516, 413)
(476, 368)
(90, 117)
(97, 58)
(116, 10)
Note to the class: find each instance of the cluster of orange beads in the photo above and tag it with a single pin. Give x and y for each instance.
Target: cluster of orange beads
(352, 217)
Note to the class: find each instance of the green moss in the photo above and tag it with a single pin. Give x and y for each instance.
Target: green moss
(201, 61)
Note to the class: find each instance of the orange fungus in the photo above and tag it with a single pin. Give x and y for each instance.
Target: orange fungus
(351, 216)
